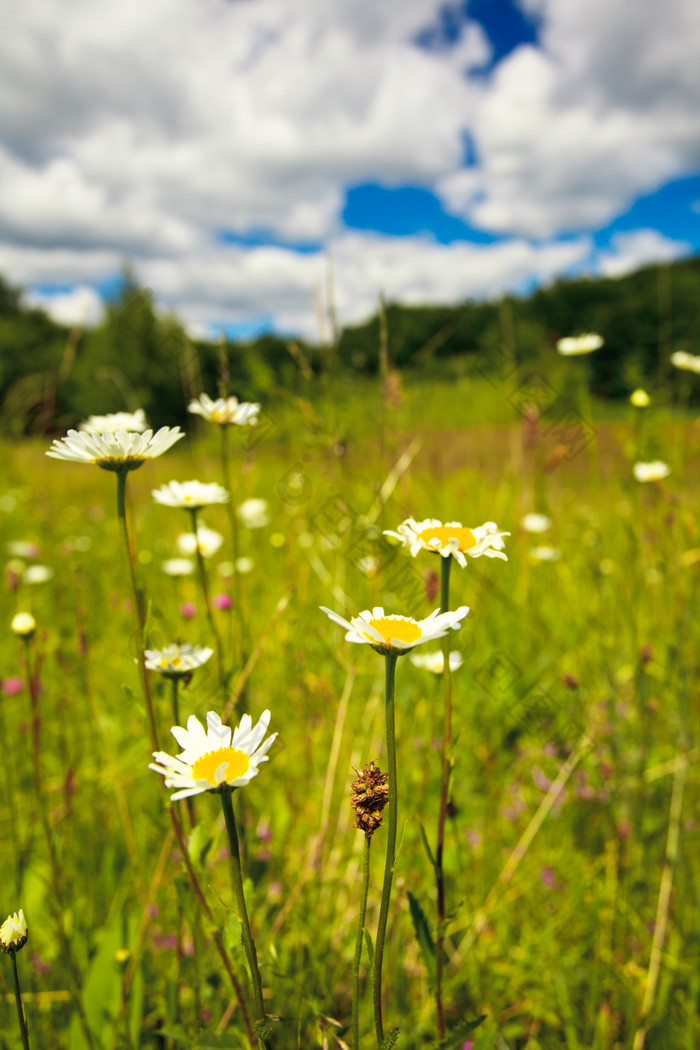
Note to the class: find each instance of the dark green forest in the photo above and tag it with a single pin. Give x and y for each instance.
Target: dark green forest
(52, 377)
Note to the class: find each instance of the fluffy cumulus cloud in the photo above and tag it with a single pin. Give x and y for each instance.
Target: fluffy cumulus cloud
(144, 131)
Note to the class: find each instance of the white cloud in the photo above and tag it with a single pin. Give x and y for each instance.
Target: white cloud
(142, 131)
(629, 251)
(81, 306)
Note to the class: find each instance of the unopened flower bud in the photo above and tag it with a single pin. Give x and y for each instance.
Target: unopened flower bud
(13, 932)
(23, 624)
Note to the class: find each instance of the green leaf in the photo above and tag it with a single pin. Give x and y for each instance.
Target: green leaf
(426, 844)
(198, 845)
(425, 941)
(390, 1039)
(455, 1037)
(370, 948)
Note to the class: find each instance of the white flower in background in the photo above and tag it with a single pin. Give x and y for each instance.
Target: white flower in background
(243, 566)
(573, 345)
(452, 538)
(190, 495)
(639, 398)
(23, 549)
(254, 513)
(536, 523)
(215, 759)
(118, 452)
(131, 422)
(654, 471)
(435, 662)
(37, 574)
(225, 410)
(397, 634)
(178, 567)
(208, 541)
(13, 932)
(176, 660)
(544, 553)
(23, 624)
(686, 362)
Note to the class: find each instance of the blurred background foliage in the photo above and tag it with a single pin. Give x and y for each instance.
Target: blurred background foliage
(137, 357)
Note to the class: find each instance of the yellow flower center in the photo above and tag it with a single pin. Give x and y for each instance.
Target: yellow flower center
(173, 662)
(237, 763)
(403, 630)
(444, 533)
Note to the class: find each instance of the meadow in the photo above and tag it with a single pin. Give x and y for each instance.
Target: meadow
(571, 833)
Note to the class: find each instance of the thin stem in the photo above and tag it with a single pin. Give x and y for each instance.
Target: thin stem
(444, 790)
(207, 604)
(248, 942)
(36, 717)
(176, 706)
(20, 1007)
(235, 547)
(138, 610)
(358, 945)
(392, 824)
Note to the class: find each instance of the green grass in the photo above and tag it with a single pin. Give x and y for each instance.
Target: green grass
(554, 949)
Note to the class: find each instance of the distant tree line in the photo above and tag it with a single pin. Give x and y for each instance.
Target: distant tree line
(52, 377)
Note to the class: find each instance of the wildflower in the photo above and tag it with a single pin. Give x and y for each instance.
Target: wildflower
(119, 452)
(536, 523)
(23, 549)
(12, 686)
(654, 471)
(370, 794)
(686, 362)
(435, 662)
(225, 410)
(37, 574)
(573, 345)
(130, 422)
(177, 661)
(639, 398)
(254, 513)
(23, 624)
(453, 538)
(190, 495)
(178, 567)
(222, 601)
(397, 634)
(544, 553)
(215, 759)
(208, 541)
(13, 932)
(188, 610)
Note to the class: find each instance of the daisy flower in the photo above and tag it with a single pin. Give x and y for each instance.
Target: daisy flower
(175, 660)
(208, 541)
(397, 634)
(178, 567)
(225, 410)
(254, 513)
(574, 345)
(544, 553)
(686, 362)
(214, 759)
(453, 538)
(13, 932)
(118, 452)
(190, 495)
(435, 662)
(536, 523)
(655, 471)
(131, 422)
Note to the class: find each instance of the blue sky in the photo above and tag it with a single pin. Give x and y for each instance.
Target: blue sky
(245, 158)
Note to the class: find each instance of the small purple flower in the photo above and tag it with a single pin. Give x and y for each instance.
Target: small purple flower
(222, 601)
(188, 610)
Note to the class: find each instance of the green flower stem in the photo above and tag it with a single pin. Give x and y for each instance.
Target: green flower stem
(444, 789)
(392, 824)
(175, 682)
(20, 1006)
(358, 945)
(36, 717)
(207, 604)
(138, 610)
(248, 942)
(235, 546)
